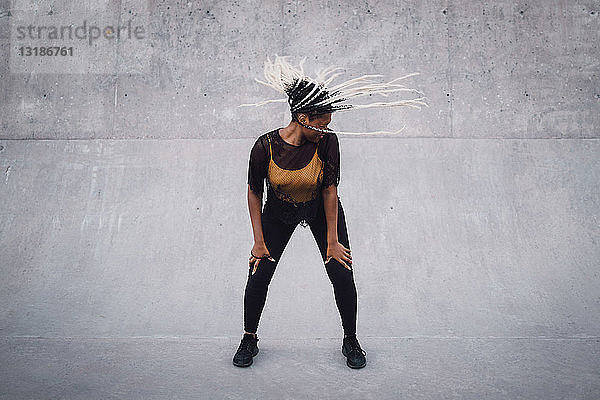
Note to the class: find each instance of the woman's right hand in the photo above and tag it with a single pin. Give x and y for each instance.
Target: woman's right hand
(258, 250)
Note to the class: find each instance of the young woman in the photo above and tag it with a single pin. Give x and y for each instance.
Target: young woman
(300, 164)
(301, 167)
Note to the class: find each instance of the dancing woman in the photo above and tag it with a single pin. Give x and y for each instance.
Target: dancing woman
(300, 164)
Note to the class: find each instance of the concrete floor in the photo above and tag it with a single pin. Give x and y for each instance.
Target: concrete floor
(201, 368)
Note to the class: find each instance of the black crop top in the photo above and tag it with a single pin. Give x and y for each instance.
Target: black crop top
(294, 175)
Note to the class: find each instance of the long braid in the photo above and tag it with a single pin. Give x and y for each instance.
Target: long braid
(305, 94)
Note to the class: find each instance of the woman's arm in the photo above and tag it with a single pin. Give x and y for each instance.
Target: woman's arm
(260, 247)
(334, 248)
(331, 180)
(330, 204)
(255, 209)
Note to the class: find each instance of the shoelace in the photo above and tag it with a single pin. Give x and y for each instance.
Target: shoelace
(355, 347)
(247, 344)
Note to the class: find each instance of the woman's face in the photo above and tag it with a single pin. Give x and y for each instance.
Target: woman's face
(320, 122)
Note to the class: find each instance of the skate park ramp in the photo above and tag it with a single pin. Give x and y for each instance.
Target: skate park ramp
(475, 231)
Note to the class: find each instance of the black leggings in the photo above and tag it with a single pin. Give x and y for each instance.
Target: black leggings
(276, 235)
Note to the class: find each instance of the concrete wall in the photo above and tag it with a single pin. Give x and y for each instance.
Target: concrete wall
(122, 195)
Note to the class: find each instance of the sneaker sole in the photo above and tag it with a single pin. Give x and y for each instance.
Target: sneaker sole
(250, 363)
(348, 361)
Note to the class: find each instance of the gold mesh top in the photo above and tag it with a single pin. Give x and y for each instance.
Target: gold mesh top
(298, 185)
(295, 175)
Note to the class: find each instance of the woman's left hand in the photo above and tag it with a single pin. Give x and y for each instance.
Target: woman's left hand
(340, 253)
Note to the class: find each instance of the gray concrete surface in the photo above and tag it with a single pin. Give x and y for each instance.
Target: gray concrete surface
(455, 237)
(124, 228)
(397, 368)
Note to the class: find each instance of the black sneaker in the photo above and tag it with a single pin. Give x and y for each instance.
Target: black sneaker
(246, 350)
(355, 356)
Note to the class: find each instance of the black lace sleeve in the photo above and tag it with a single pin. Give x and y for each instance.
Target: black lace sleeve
(257, 166)
(331, 174)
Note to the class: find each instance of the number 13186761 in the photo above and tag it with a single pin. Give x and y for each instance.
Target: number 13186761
(45, 51)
